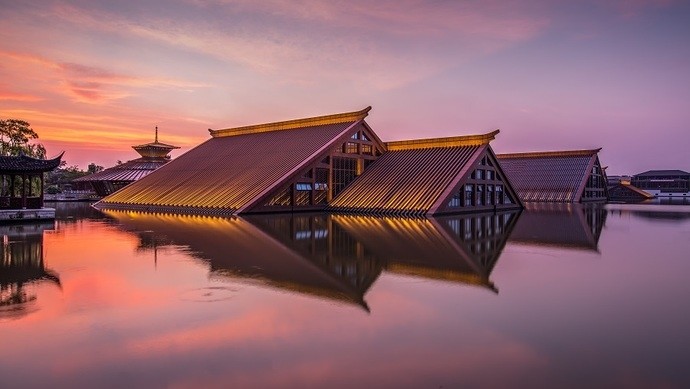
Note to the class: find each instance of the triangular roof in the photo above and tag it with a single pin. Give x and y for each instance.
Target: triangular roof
(237, 167)
(552, 176)
(414, 176)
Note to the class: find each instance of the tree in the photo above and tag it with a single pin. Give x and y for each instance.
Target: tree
(15, 136)
(93, 168)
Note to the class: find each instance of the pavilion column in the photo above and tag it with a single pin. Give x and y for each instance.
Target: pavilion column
(23, 191)
(40, 195)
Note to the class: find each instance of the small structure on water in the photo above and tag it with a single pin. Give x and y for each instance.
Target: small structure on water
(21, 187)
(334, 162)
(572, 176)
(107, 181)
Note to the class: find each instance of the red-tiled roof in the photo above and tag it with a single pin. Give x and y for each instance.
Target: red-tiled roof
(555, 176)
(412, 175)
(233, 170)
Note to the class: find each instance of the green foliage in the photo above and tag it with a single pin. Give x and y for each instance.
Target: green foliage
(93, 168)
(53, 189)
(15, 138)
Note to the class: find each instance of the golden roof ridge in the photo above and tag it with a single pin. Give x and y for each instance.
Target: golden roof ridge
(562, 153)
(292, 124)
(453, 141)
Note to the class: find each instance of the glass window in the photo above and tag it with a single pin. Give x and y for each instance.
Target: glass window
(355, 135)
(303, 186)
(344, 172)
(455, 201)
(480, 194)
(364, 136)
(480, 174)
(489, 174)
(351, 148)
(469, 194)
(489, 195)
(367, 149)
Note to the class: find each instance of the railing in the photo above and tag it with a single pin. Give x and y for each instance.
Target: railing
(17, 202)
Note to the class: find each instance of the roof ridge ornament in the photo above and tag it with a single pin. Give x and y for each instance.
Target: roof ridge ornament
(292, 124)
(453, 141)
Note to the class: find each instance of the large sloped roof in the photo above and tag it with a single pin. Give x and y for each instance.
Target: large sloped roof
(412, 175)
(556, 176)
(236, 167)
(128, 171)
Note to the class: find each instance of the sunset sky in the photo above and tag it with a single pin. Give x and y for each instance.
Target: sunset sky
(95, 77)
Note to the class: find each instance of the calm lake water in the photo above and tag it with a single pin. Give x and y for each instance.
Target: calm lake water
(550, 297)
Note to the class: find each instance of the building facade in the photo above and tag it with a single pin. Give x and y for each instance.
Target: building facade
(664, 183)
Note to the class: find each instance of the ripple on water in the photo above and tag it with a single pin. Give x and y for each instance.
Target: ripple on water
(209, 294)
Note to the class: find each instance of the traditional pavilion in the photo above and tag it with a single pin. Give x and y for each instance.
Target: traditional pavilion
(572, 176)
(153, 156)
(21, 189)
(333, 162)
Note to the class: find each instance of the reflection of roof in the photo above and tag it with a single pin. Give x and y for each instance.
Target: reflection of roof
(413, 175)
(560, 225)
(556, 176)
(236, 167)
(128, 171)
(424, 247)
(239, 250)
(663, 173)
(26, 164)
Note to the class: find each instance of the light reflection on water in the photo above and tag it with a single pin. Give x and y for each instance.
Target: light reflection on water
(554, 296)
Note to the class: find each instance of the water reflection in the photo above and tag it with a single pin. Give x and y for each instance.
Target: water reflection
(577, 226)
(331, 256)
(22, 264)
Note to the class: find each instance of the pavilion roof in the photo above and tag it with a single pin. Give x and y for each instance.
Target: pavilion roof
(24, 164)
(412, 176)
(552, 176)
(234, 169)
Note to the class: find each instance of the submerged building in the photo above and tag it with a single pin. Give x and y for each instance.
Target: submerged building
(107, 181)
(572, 176)
(334, 162)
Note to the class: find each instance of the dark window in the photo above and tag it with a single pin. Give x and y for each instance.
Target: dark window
(364, 136)
(344, 172)
(469, 195)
